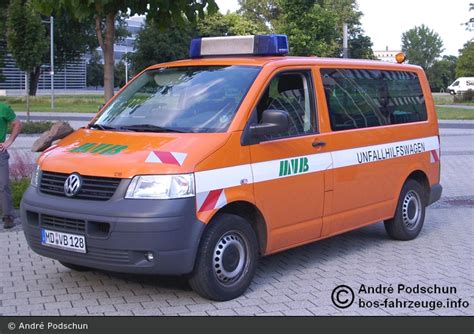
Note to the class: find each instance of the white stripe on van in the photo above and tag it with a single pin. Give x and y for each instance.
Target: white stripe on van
(228, 177)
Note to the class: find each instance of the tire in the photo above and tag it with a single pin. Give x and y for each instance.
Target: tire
(226, 259)
(75, 267)
(410, 213)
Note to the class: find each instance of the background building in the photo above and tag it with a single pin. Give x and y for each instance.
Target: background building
(386, 55)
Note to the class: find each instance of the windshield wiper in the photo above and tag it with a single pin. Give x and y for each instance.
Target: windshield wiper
(101, 127)
(148, 128)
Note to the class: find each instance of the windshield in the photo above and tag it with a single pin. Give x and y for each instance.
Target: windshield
(180, 99)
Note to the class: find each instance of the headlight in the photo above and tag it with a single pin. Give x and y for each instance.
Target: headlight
(35, 177)
(161, 186)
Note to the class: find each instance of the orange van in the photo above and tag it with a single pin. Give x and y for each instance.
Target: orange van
(199, 167)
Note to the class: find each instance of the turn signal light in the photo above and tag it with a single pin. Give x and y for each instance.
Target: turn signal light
(400, 57)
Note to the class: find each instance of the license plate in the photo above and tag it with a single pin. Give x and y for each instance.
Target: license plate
(66, 241)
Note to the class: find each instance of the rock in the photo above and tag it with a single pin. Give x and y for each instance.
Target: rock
(59, 130)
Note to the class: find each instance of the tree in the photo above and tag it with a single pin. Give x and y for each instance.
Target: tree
(71, 40)
(26, 39)
(3, 28)
(470, 24)
(311, 29)
(422, 46)
(153, 44)
(119, 74)
(104, 12)
(442, 73)
(95, 71)
(465, 65)
(314, 27)
(264, 13)
(231, 24)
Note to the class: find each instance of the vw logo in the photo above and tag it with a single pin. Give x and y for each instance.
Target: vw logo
(72, 185)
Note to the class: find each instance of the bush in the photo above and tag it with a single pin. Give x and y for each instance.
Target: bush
(18, 188)
(34, 127)
(467, 96)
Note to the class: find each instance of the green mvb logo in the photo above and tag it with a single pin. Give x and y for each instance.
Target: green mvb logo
(105, 149)
(294, 166)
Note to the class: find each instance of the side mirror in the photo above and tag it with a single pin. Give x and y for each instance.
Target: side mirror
(100, 107)
(273, 122)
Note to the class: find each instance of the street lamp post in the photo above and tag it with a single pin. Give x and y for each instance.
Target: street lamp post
(51, 55)
(51, 37)
(345, 46)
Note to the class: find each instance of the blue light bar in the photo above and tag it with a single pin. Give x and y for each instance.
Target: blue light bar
(258, 45)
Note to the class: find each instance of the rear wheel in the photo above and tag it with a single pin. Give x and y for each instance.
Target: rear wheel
(226, 260)
(75, 267)
(410, 213)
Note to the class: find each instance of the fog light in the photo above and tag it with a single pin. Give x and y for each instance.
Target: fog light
(149, 256)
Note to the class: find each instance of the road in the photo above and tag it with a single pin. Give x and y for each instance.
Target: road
(296, 282)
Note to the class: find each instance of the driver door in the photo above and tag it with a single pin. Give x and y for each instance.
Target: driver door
(289, 167)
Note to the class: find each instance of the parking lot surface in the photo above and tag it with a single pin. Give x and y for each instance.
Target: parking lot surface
(300, 281)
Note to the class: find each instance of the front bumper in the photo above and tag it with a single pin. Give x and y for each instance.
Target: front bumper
(119, 232)
(435, 193)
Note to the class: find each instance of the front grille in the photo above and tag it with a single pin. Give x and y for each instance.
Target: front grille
(68, 224)
(93, 188)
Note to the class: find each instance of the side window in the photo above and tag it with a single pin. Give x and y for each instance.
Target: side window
(456, 84)
(367, 98)
(291, 92)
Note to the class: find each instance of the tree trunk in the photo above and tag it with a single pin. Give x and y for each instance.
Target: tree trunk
(109, 59)
(34, 78)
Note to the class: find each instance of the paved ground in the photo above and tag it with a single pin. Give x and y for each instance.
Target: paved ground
(296, 282)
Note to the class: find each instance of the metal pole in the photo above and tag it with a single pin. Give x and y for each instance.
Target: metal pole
(345, 45)
(51, 26)
(126, 72)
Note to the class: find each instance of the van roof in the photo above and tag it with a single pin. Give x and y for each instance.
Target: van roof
(286, 60)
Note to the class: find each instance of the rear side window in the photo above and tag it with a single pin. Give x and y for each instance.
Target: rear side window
(359, 98)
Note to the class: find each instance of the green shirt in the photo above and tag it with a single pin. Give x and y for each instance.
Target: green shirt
(7, 115)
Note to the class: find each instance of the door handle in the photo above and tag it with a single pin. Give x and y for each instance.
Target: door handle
(319, 143)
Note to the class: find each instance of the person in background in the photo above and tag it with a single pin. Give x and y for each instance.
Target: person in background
(7, 116)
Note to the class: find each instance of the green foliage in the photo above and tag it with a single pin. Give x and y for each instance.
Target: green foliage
(25, 35)
(442, 73)
(467, 96)
(231, 24)
(264, 13)
(3, 29)
(34, 127)
(465, 65)
(18, 188)
(95, 70)
(422, 46)
(314, 27)
(119, 74)
(72, 38)
(311, 29)
(104, 12)
(153, 44)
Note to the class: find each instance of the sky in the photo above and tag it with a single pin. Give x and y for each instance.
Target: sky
(384, 21)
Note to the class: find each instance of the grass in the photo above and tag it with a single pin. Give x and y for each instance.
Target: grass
(455, 113)
(63, 103)
(448, 99)
(18, 187)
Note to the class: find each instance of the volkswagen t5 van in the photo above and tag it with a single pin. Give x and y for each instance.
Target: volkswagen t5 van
(199, 167)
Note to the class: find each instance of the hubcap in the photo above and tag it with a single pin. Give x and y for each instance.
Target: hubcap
(411, 210)
(230, 258)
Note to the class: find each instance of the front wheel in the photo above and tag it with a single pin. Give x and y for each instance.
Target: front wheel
(410, 213)
(226, 259)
